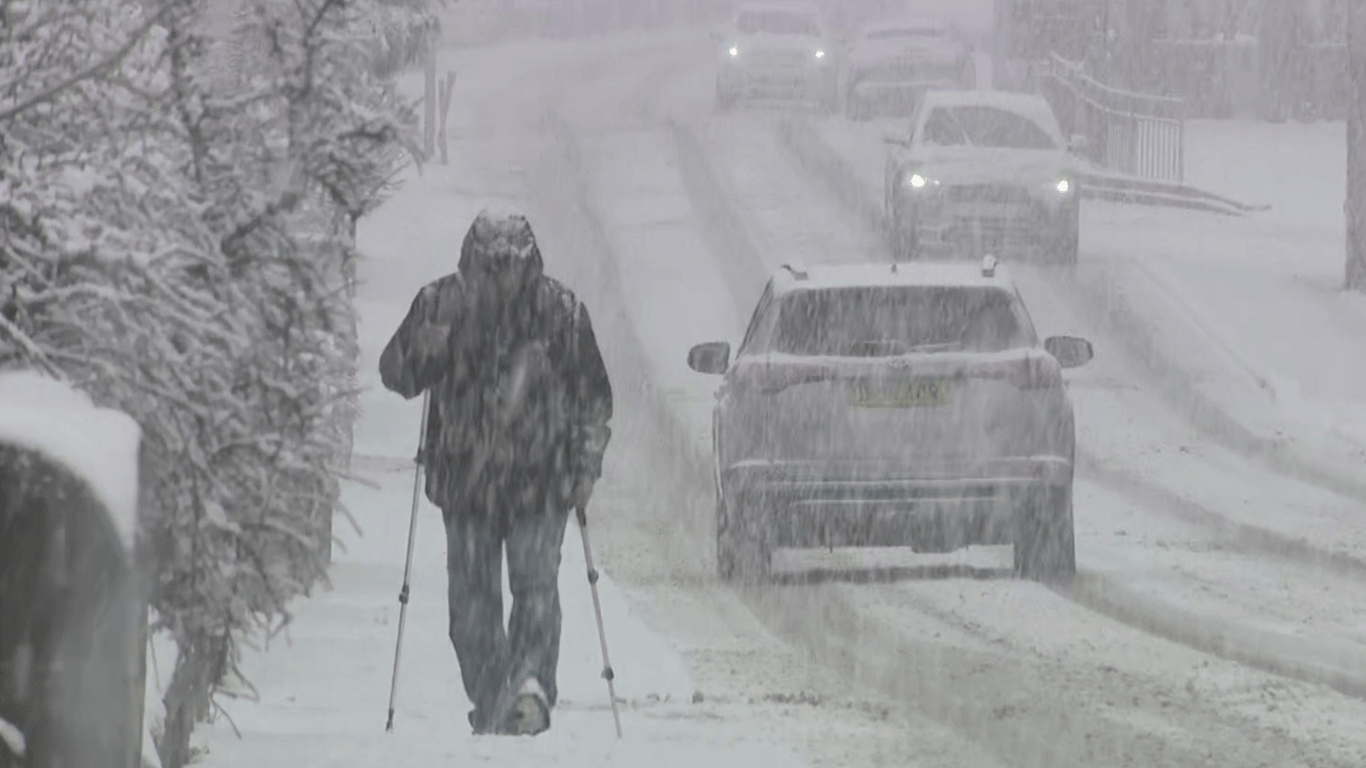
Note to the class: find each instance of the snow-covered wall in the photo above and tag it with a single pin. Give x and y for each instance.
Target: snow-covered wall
(98, 445)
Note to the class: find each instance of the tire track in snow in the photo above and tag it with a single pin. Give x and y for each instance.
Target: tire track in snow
(824, 164)
(1241, 644)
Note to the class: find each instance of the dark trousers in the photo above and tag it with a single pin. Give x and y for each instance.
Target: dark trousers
(492, 660)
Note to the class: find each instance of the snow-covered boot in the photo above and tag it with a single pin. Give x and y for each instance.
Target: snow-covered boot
(530, 712)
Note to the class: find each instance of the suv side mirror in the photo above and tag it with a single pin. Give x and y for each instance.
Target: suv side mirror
(1078, 143)
(712, 357)
(718, 36)
(896, 139)
(1070, 351)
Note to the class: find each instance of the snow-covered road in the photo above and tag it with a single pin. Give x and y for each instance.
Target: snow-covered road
(667, 219)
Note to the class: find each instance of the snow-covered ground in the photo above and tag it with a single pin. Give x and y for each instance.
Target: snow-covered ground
(666, 219)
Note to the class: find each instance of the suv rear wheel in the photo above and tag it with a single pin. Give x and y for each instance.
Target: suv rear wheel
(741, 555)
(903, 234)
(725, 99)
(857, 108)
(1045, 541)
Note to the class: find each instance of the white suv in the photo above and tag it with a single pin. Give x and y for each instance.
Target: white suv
(908, 405)
(983, 171)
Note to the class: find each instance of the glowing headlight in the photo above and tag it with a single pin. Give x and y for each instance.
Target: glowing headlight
(1063, 186)
(917, 180)
(734, 51)
(820, 54)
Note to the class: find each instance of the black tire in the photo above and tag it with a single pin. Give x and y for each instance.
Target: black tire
(903, 236)
(857, 109)
(725, 100)
(1067, 243)
(741, 556)
(830, 104)
(1067, 250)
(967, 76)
(1045, 538)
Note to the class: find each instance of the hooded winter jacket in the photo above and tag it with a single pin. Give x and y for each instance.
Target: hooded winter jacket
(520, 397)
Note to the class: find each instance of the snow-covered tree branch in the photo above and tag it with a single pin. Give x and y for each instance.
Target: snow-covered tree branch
(175, 238)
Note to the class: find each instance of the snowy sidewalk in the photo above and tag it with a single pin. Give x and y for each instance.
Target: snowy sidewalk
(324, 685)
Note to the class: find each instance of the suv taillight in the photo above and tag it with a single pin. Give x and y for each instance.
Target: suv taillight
(1036, 373)
(1031, 373)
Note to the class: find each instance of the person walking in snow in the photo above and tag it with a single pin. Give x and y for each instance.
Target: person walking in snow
(518, 424)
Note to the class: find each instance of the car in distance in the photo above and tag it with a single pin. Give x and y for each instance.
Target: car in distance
(983, 171)
(893, 63)
(777, 51)
(901, 405)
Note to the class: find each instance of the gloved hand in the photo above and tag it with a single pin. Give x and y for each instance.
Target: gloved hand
(583, 491)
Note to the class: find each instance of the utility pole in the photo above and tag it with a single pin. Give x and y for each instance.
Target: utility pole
(429, 98)
(1355, 205)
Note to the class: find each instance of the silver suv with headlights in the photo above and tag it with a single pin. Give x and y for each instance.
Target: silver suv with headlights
(902, 405)
(983, 171)
(777, 51)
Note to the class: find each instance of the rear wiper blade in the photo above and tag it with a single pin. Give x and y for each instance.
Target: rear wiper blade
(945, 346)
(773, 386)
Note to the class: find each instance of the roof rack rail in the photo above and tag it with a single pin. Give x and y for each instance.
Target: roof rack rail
(797, 272)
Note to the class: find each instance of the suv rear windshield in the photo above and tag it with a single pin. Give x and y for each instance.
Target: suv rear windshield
(879, 322)
(983, 126)
(776, 23)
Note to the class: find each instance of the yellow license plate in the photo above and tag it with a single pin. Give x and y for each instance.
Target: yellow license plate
(913, 393)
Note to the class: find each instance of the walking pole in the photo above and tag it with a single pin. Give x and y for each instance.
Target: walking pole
(408, 565)
(597, 610)
(607, 673)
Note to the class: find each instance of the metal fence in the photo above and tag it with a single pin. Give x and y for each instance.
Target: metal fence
(1129, 133)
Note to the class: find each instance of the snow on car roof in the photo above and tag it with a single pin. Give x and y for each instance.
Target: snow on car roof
(806, 9)
(1028, 104)
(909, 22)
(939, 274)
(98, 445)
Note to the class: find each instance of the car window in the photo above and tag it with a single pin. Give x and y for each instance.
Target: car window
(983, 126)
(879, 322)
(760, 313)
(776, 23)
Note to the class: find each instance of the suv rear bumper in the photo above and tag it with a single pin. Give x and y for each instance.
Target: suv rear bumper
(799, 505)
(805, 82)
(908, 91)
(963, 229)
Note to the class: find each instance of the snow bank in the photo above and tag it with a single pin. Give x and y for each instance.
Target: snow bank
(99, 445)
(1297, 168)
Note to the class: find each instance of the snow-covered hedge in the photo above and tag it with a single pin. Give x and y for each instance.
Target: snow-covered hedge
(175, 239)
